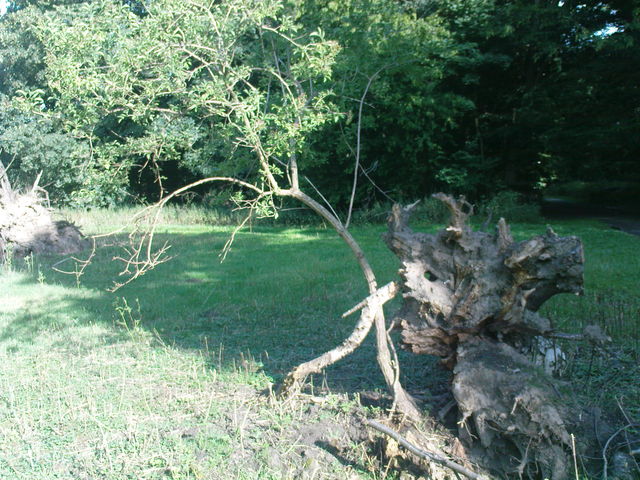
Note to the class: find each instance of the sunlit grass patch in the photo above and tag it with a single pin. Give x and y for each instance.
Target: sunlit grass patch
(162, 378)
(169, 377)
(122, 410)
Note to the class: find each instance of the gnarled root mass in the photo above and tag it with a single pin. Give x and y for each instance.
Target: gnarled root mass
(27, 226)
(472, 298)
(512, 420)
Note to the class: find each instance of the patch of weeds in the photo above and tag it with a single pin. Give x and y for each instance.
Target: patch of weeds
(604, 376)
(428, 210)
(616, 312)
(128, 317)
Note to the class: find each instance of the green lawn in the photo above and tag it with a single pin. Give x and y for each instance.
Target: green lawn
(162, 378)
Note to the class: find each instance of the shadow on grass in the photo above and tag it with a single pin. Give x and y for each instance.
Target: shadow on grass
(276, 301)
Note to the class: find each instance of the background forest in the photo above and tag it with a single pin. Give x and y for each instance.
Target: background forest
(464, 96)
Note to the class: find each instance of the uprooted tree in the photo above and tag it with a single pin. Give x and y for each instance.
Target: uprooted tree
(471, 298)
(27, 226)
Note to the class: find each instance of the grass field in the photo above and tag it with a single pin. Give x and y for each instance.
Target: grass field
(169, 377)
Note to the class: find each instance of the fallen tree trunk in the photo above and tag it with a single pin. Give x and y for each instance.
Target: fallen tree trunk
(372, 314)
(471, 298)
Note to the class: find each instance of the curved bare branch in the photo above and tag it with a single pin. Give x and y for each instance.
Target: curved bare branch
(141, 256)
(372, 314)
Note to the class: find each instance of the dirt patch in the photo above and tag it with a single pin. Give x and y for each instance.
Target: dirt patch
(303, 437)
(311, 437)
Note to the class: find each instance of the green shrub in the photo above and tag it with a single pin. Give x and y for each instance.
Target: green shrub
(376, 214)
(512, 206)
(428, 210)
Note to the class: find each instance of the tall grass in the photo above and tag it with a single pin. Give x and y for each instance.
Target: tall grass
(510, 205)
(106, 219)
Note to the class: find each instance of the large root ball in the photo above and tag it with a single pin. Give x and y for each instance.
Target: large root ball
(27, 226)
(472, 299)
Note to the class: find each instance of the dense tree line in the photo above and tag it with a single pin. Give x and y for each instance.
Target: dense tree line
(468, 96)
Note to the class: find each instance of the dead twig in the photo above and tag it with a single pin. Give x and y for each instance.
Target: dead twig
(434, 457)
(606, 446)
(382, 295)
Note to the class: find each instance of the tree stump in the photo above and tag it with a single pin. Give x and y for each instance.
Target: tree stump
(471, 298)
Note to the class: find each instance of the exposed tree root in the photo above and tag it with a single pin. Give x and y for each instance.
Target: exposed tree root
(27, 225)
(472, 298)
(427, 455)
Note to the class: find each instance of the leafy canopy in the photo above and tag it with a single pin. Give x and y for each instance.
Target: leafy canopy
(227, 88)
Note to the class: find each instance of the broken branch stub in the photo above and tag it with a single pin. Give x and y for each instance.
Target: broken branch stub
(472, 298)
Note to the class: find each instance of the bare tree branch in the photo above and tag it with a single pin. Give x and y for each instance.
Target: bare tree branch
(383, 294)
(433, 457)
(606, 447)
(385, 349)
(329, 206)
(369, 307)
(140, 256)
(357, 164)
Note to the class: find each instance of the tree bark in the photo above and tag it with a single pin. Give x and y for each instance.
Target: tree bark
(461, 282)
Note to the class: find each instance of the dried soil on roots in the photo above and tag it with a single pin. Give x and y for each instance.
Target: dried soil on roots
(28, 227)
